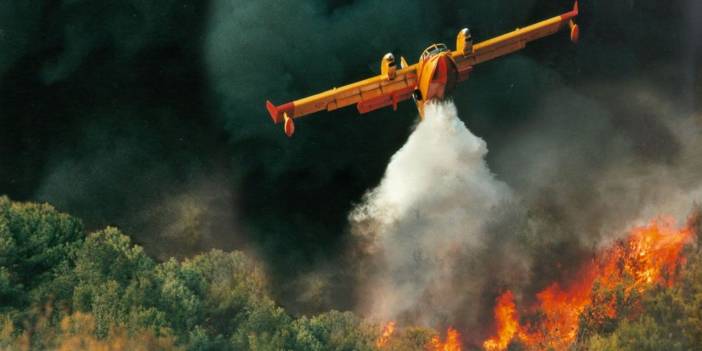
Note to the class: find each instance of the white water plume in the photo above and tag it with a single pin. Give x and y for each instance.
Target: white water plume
(428, 214)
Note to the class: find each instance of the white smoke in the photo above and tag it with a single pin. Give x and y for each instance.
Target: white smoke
(426, 218)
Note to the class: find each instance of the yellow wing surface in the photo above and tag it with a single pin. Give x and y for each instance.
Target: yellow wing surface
(368, 95)
(517, 40)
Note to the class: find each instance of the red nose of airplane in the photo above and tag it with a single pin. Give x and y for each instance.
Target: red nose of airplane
(444, 77)
(441, 72)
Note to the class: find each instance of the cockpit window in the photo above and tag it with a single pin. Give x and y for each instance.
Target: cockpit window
(433, 50)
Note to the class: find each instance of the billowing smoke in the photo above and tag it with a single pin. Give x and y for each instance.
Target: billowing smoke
(443, 235)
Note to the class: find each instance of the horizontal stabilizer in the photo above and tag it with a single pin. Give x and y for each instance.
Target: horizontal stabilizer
(277, 112)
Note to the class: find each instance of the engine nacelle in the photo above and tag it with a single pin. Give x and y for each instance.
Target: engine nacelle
(388, 67)
(464, 42)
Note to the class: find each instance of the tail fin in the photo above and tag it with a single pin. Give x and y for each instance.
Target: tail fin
(574, 28)
(283, 113)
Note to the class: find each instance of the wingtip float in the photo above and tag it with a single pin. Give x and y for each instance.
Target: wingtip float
(433, 77)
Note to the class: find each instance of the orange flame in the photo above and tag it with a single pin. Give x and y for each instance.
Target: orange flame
(453, 342)
(650, 255)
(507, 323)
(388, 330)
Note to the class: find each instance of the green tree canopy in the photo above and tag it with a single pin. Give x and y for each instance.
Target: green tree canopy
(36, 243)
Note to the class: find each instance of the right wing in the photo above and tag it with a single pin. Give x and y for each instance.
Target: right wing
(368, 95)
(517, 40)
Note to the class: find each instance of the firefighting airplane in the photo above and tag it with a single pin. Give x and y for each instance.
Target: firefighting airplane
(433, 77)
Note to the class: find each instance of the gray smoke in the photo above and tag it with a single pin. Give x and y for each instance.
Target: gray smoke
(692, 59)
(18, 27)
(443, 236)
(598, 165)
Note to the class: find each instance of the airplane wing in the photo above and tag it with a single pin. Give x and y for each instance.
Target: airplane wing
(516, 40)
(368, 95)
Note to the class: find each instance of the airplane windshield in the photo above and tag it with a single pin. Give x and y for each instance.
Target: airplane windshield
(433, 50)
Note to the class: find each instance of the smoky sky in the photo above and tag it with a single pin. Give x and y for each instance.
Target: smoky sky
(149, 115)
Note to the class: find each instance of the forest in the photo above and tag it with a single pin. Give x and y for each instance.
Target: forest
(62, 288)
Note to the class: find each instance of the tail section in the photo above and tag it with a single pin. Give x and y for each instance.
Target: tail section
(283, 113)
(574, 28)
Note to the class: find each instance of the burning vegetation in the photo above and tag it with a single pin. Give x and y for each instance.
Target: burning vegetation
(614, 290)
(616, 277)
(452, 343)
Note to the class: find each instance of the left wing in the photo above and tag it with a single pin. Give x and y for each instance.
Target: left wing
(368, 95)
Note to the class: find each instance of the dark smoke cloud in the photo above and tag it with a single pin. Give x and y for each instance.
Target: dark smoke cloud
(103, 113)
(177, 204)
(281, 50)
(692, 59)
(297, 192)
(19, 27)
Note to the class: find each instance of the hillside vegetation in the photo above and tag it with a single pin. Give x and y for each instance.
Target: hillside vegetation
(62, 288)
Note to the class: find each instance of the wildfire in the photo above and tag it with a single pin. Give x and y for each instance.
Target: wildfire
(507, 323)
(387, 332)
(650, 255)
(453, 342)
